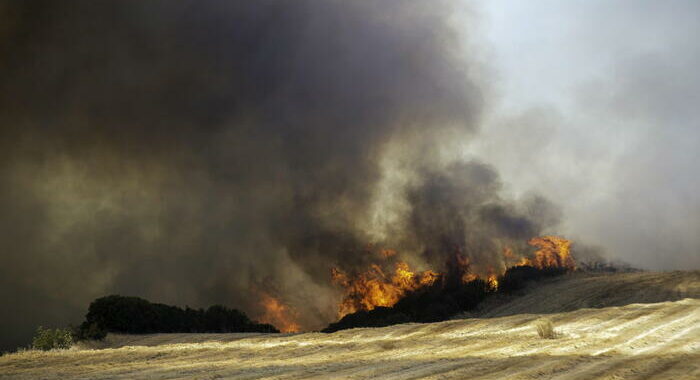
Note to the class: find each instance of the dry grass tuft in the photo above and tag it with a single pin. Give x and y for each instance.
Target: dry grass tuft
(545, 329)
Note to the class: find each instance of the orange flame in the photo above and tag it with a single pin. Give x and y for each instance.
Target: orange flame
(428, 278)
(492, 281)
(511, 259)
(523, 262)
(508, 253)
(375, 288)
(278, 314)
(553, 251)
(387, 252)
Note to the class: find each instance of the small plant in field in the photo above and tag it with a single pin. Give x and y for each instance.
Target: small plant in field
(545, 329)
(49, 339)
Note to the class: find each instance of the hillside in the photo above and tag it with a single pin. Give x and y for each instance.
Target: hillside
(581, 290)
(650, 340)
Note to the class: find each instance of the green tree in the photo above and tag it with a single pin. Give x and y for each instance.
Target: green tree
(49, 339)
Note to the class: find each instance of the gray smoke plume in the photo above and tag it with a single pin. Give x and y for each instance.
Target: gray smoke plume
(598, 112)
(200, 152)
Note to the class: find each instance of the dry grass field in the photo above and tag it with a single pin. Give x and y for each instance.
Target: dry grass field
(602, 331)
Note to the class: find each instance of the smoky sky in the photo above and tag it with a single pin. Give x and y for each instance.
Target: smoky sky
(596, 108)
(201, 152)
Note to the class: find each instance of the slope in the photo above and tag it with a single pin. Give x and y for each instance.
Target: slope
(635, 341)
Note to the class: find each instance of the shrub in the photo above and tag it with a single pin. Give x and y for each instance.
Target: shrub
(516, 278)
(545, 329)
(133, 315)
(439, 302)
(50, 339)
(377, 317)
(89, 331)
(430, 304)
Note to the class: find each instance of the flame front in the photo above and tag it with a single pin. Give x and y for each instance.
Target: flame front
(374, 287)
(553, 251)
(492, 281)
(278, 314)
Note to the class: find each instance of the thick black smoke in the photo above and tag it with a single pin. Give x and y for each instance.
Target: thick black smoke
(458, 210)
(200, 152)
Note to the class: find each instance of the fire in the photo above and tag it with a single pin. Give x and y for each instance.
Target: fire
(375, 288)
(428, 278)
(511, 258)
(523, 262)
(278, 314)
(508, 253)
(553, 251)
(387, 252)
(492, 281)
(462, 262)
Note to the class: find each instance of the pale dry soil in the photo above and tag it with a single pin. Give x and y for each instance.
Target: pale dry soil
(658, 340)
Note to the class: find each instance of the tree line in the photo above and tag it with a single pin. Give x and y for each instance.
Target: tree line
(134, 315)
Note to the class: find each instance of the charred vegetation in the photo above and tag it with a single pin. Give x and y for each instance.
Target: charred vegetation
(444, 299)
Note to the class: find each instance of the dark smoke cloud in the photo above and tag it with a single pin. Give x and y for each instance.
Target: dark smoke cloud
(195, 152)
(458, 210)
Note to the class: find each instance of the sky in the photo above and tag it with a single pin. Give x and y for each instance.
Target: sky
(597, 110)
(201, 152)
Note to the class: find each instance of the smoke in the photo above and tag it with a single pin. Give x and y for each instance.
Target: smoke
(200, 152)
(598, 112)
(457, 209)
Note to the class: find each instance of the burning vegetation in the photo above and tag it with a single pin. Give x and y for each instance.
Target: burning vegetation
(376, 288)
(377, 297)
(553, 252)
(388, 292)
(278, 314)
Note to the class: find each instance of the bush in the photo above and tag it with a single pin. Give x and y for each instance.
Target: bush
(89, 331)
(133, 315)
(516, 278)
(545, 329)
(439, 302)
(377, 317)
(50, 339)
(430, 304)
